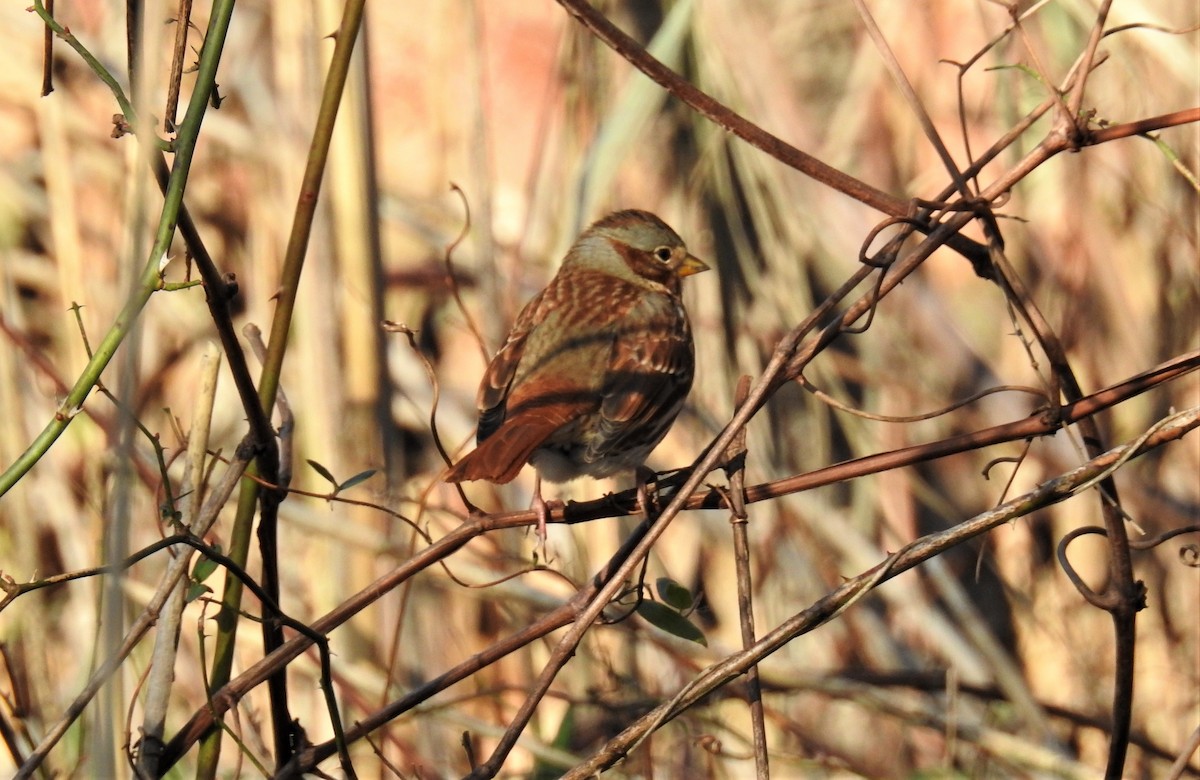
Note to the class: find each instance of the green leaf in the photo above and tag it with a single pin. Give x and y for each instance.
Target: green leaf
(673, 594)
(203, 568)
(666, 619)
(360, 477)
(196, 590)
(324, 472)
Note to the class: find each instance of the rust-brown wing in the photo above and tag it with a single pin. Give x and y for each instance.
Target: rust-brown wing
(497, 378)
(548, 375)
(649, 377)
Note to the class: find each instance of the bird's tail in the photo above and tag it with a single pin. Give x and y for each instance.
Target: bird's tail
(500, 457)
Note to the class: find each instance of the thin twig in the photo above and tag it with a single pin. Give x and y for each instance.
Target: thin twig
(721, 673)
(176, 569)
(735, 459)
(151, 272)
(183, 21)
(731, 121)
(48, 53)
(452, 280)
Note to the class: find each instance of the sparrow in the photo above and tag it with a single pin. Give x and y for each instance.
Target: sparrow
(597, 366)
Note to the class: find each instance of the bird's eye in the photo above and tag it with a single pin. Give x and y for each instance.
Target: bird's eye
(663, 253)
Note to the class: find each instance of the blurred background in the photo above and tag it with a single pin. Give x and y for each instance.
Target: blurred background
(544, 129)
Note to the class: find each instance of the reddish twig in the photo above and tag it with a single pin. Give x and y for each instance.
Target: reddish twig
(731, 121)
(731, 667)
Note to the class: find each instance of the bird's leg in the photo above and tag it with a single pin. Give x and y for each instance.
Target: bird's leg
(642, 477)
(543, 510)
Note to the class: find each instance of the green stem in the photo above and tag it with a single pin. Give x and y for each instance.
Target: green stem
(293, 266)
(185, 145)
(101, 72)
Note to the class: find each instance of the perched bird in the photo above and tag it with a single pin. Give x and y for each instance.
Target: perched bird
(598, 364)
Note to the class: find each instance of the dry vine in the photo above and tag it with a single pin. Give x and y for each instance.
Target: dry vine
(912, 230)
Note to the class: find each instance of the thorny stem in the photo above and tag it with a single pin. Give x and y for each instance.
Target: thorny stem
(148, 283)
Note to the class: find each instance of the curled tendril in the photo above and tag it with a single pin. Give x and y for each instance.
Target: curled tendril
(1165, 536)
(888, 254)
(1189, 554)
(1091, 596)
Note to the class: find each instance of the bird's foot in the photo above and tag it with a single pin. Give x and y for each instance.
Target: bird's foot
(543, 508)
(647, 500)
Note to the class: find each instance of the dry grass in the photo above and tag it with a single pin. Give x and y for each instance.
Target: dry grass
(544, 129)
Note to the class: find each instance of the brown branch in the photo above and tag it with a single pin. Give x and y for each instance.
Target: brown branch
(1143, 126)
(735, 459)
(183, 21)
(728, 669)
(219, 292)
(732, 122)
(625, 503)
(1123, 595)
(1075, 97)
(1029, 427)
(914, 102)
(306, 760)
(48, 53)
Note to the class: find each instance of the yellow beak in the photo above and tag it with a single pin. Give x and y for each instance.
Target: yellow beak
(691, 265)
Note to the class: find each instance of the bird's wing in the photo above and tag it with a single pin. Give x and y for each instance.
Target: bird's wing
(649, 376)
(563, 339)
(492, 398)
(538, 383)
(546, 390)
